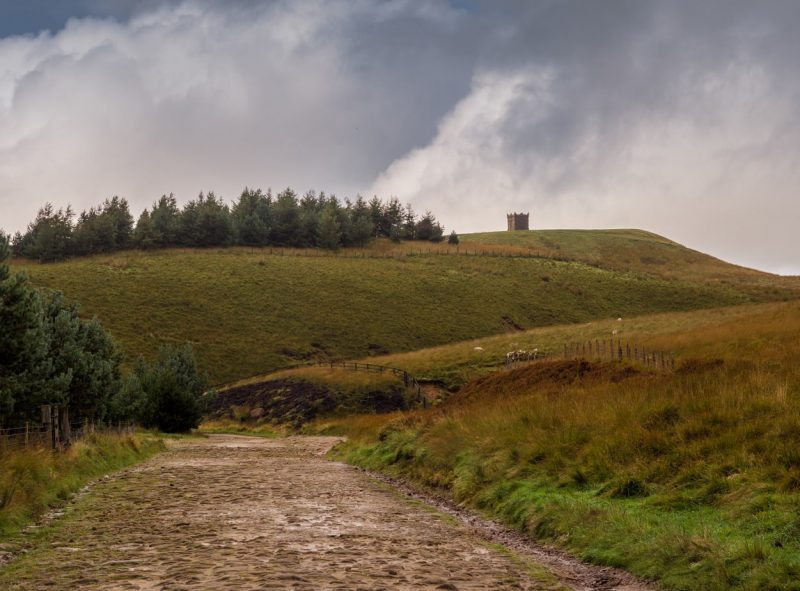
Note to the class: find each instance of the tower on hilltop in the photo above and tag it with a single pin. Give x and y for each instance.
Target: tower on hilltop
(517, 221)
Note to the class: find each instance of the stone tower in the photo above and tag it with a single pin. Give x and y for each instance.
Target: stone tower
(517, 221)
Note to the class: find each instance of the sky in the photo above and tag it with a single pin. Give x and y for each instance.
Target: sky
(682, 118)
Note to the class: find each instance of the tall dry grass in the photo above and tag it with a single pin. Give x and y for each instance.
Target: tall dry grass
(690, 477)
(32, 479)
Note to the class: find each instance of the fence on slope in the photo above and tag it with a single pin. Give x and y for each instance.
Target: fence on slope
(599, 349)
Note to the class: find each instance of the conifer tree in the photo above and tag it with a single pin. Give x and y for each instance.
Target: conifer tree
(330, 234)
(22, 351)
(144, 236)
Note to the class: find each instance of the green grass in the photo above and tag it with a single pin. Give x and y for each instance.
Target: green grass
(231, 427)
(247, 311)
(631, 250)
(691, 478)
(454, 364)
(31, 480)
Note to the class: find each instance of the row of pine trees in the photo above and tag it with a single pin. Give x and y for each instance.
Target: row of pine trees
(255, 219)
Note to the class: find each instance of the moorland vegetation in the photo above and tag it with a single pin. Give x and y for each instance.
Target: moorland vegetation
(247, 310)
(689, 477)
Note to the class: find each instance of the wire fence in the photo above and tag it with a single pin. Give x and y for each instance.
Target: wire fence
(55, 431)
(611, 350)
(408, 380)
(616, 349)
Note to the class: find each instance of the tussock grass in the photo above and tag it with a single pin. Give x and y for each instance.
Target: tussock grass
(33, 479)
(247, 311)
(690, 477)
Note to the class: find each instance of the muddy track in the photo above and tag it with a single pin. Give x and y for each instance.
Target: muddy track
(232, 512)
(570, 572)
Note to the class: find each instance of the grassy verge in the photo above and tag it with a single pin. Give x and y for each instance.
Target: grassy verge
(31, 480)
(691, 478)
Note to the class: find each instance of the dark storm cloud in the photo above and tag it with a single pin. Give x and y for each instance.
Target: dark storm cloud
(20, 17)
(679, 117)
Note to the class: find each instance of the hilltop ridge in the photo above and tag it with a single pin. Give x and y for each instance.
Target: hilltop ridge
(621, 249)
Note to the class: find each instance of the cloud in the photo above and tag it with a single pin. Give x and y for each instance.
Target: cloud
(668, 120)
(681, 118)
(202, 95)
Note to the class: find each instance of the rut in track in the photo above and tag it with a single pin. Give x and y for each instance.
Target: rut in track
(233, 512)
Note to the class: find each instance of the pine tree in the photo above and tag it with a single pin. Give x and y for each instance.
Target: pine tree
(167, 394)
(330, 234)
(49, 237)
(144, 236)
(165, 219)
(23, 357)
(250, 217)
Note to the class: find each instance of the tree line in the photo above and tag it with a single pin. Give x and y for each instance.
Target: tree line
(256, 218)
(50, 355)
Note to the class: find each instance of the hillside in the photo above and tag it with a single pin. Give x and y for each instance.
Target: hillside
(688, 477)
(250, 310)
(683, 334)
(630, 250)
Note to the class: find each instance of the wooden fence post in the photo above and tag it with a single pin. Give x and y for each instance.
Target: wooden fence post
(56, 428)
(63, 423)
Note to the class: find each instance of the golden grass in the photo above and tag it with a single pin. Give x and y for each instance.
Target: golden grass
(33, 479)
(690, 477)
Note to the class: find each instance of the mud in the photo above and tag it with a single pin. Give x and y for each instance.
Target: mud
(570, 572)
(232, 512)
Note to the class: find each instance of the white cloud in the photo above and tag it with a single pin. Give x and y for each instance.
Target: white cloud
(200, 96)
(682, 119)
(717, 172)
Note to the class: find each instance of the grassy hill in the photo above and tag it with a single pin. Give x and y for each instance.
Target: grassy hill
(251, 310)
(689, 477)
(629, 250)
(453, 365)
